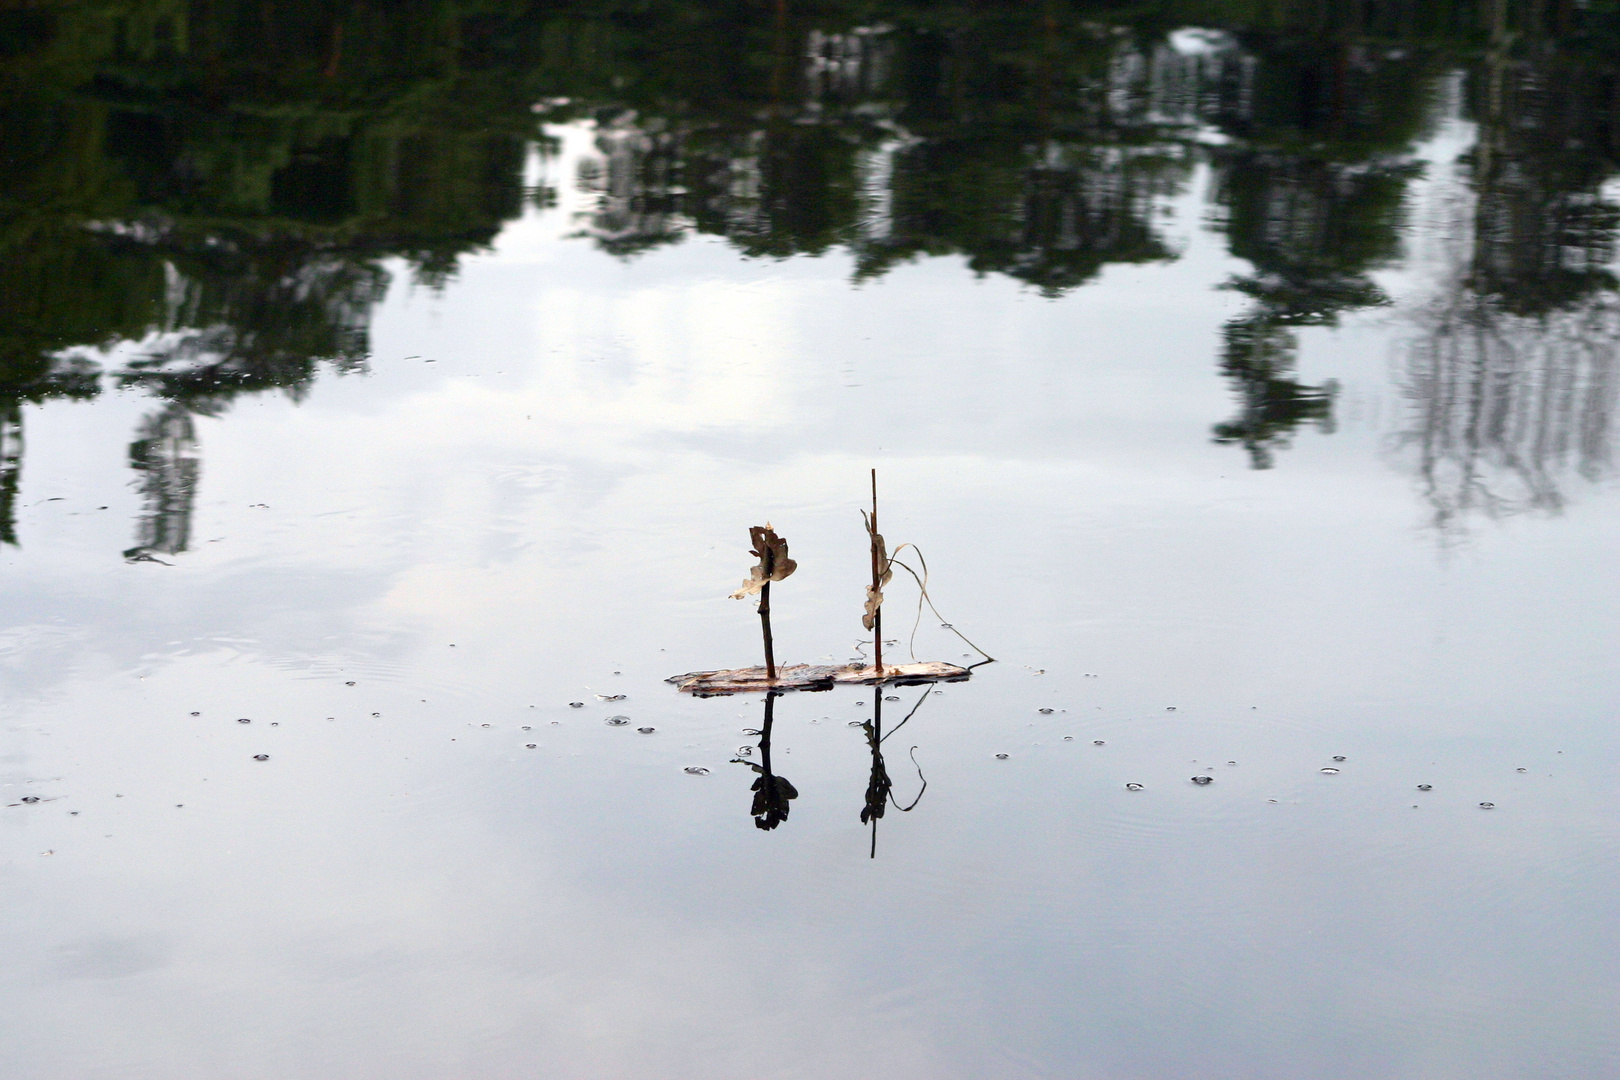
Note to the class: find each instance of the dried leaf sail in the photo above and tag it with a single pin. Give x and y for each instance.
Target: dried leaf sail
(874, 593)
(774, 564)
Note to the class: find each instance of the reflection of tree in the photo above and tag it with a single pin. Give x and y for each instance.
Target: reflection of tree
(1310, 193)
(1503, 403)
(772, 793)
(164, 457)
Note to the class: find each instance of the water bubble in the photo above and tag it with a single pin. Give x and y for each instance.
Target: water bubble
(860, 703)
(1338, 757)
(349, 683)
(1487, 806)
(946, 626)
(609, 697)
(1096, 742)
(274, 723)
(696, 770)
(1203, 779)
(646, 730)
(379, 714)
(30, 798)
(529, 745)
(892, 697)
(751, 731)
(196, 714)
(1231, 763)
(480, 725)
(1133, 787)
(618, 673)
(1425, 787)
(261, 757)
(1330, 771)
(616, 721)
(244, 720)
(1044, 712)
(1001, 757)
(554, 723)
(1522, 770)
(576, 704)
(1169, 708)
(745, 751)
(855, 723)
(937, 693)
(525, 727)
(1068, 738)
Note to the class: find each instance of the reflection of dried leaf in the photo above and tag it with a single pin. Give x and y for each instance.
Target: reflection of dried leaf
(774, 564)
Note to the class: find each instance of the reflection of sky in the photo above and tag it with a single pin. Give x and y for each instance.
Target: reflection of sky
(564, 492)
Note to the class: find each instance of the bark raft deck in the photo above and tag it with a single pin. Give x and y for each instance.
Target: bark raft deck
(814, 677)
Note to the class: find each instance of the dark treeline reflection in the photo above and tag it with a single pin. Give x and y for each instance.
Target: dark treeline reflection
(199, 198)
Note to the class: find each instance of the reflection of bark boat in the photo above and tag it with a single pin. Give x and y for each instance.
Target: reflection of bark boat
(815, 677)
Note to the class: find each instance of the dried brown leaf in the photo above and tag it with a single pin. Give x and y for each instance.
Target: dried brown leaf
(774, 564)
(874, 600)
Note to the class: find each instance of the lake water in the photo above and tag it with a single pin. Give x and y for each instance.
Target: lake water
(1255, 439)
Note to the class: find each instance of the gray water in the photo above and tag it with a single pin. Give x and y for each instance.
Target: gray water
(538, 492)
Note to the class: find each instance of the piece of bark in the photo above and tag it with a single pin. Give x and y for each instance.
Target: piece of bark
(813, 677)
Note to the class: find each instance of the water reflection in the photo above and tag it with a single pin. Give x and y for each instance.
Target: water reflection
(204, 221)
(879, 786)
(165, 458)
(772, 793)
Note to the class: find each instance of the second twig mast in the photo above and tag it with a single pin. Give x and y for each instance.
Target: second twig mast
(877, 585)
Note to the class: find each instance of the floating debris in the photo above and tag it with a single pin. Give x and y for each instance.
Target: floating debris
(610, 697)
(696, 770)
(1203, 779)
(1133, 787)
(814, 677)
(616, 721)
(745, 751)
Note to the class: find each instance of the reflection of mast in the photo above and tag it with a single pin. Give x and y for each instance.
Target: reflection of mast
(164, 455)
(11, 449)
(879, 788)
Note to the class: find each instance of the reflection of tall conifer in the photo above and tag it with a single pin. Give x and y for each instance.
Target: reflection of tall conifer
(1310, 194)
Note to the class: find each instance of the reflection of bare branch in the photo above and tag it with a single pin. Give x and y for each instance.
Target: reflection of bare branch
(1504, 405)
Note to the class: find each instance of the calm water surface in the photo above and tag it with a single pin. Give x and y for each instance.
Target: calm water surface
(1255, 437)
